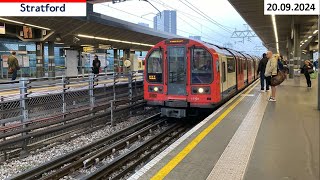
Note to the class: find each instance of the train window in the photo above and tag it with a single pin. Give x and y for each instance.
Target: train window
(244, 65)
(201, 67)
(231, 65)
(224, 78)
(154, 66)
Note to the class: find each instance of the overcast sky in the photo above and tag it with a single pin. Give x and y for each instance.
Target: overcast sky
(189, 22)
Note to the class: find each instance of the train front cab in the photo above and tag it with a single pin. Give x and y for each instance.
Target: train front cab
(181, 74)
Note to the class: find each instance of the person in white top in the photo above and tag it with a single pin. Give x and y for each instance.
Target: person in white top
(271, 71)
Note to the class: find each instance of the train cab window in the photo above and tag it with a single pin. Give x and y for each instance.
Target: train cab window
(154, 67)
(201, 67)
(231, 65)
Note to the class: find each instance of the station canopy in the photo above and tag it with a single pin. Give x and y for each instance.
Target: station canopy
(94, 29)
(252, 11)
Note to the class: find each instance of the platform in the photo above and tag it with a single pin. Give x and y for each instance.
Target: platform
(248, 138)
(9, 88)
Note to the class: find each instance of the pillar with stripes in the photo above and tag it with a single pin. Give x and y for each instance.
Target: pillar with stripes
(51, 64)
(40, 60)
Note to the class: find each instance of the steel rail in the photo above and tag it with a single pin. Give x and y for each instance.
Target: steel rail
(59, 161)
(107, 169)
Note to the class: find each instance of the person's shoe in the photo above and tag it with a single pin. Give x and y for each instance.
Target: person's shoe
(262, 90)
(272, 99)
(267, 90)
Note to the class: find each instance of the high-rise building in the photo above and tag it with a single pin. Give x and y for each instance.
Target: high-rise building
(143, 24)
(195, 37)
(166, 21)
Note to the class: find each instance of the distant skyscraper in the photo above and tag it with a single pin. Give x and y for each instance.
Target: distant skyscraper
(143, 24)
(195, 37)
(167, 21)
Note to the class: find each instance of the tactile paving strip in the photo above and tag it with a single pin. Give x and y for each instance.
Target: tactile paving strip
(234, 160)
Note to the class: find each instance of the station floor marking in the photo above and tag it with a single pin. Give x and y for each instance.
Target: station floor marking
(233, 162)
(154, 161)
(178, 158)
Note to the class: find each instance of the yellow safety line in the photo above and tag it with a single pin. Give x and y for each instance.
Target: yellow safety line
(179, 157)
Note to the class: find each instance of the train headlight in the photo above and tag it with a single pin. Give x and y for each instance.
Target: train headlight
(155, 89)
(200, 90)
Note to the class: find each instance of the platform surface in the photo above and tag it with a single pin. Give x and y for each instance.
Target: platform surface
(249, 138)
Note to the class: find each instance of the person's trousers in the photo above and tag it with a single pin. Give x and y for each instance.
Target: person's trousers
(262, 81)
(307, 75)
(14, 75)
(268, 82)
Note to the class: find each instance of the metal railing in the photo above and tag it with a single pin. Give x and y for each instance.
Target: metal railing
(36, 99)
(63, 98)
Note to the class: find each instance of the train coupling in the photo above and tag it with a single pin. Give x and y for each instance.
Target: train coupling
(174, 113)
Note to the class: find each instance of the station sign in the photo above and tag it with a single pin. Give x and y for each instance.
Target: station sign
(2, 28)
(88, 49)
(43, 8)
(103, 46)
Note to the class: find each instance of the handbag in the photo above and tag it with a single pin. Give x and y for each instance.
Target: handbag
(278, 79)
(10, 70)
(310, 71)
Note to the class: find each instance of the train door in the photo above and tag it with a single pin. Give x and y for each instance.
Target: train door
(223, 76)
(177, 76)
(245, 70)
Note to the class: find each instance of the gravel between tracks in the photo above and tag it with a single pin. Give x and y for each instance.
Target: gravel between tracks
(40, 156)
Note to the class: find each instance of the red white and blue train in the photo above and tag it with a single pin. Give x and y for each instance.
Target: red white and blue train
(184, 75)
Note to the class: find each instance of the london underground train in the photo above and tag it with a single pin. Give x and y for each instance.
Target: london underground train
(183, 76)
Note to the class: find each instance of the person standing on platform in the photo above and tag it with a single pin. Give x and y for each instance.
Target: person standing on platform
(96, 64)
(307, 70)
(13, 65)
(261, 70)
(271, 71)
(316, 64)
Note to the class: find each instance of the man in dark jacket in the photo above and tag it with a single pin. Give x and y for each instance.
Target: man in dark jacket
(261, 70)
(13, 65)
(96, 65)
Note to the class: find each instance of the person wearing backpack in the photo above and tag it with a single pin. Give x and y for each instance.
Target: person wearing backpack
(307, 70)
(13, 65)
(96, 64)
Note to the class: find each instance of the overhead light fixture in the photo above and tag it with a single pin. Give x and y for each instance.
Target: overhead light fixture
(86, 45)
(40, 27)
(58, 43)
(314, 32)
(85, 36)
(274, 23)
(306, 40)
(18, 22)
(310, 37)
(114, 40)
(300, 45)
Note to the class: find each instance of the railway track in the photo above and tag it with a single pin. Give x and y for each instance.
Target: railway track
(49, 133)
(90, 154)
